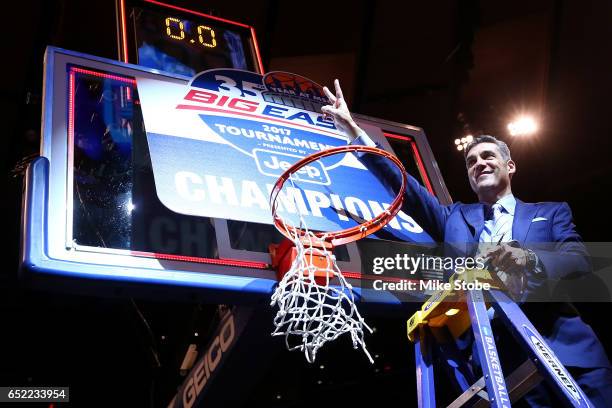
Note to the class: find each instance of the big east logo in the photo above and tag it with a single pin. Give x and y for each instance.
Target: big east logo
(270, 118)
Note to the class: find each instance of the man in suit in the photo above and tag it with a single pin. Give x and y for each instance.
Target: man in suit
(511, 228)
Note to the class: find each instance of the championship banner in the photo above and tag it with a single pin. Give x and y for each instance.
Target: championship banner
(218, 145)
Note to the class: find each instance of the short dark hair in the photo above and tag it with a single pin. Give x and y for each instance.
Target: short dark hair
(503, 147)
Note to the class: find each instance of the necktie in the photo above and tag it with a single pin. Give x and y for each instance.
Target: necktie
(497, 225)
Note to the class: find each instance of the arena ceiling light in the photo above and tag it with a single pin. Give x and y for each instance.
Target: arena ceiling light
(463, 142)
(523, 126)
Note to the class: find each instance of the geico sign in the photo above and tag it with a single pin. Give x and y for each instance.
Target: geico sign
(208, 363)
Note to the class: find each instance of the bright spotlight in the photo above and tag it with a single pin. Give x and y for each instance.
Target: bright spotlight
(523, 126)
(462, 143)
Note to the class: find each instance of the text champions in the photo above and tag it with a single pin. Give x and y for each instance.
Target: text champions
(248, 195)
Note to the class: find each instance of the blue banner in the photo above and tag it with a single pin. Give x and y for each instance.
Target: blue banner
(218, 145)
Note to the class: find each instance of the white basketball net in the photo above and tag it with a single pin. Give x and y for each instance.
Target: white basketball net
(311, 313)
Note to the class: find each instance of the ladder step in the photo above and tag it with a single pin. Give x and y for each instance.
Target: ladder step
(519, 382)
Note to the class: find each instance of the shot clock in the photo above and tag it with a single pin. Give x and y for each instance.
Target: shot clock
(182, 41)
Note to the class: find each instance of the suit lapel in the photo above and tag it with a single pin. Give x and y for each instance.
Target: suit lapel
(474, 216)
(523, 214)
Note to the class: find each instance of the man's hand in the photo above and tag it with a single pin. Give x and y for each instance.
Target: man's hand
(507, 258)
(339, 111)
(510, 264)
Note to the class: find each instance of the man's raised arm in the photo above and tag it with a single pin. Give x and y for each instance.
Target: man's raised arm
(418, 202)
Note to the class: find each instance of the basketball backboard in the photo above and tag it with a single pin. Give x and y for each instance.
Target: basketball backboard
(95, 210)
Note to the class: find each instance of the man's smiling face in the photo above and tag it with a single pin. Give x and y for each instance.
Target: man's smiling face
(488, 172)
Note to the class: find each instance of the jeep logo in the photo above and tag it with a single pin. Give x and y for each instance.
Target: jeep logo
(274, 164)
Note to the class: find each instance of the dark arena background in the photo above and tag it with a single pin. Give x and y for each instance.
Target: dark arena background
(452, 68)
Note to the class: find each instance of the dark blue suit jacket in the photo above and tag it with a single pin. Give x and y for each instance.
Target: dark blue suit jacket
(546, 228)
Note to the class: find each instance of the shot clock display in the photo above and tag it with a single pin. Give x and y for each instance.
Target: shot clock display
(181, 41)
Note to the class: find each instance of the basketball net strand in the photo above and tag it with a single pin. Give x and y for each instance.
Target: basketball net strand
(311, 313)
